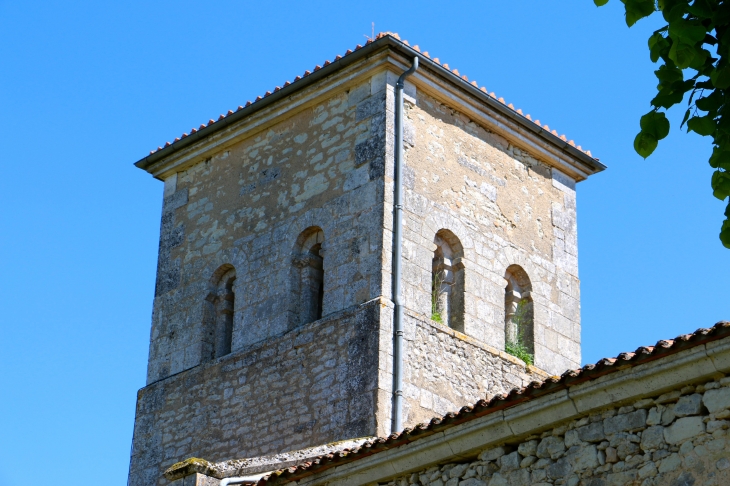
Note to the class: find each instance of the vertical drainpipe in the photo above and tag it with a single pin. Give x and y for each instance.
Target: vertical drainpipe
(397, 423)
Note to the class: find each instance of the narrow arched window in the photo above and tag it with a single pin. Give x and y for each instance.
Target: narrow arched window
(519, 315)
(222, 299)
(447, 281)
(308, 277)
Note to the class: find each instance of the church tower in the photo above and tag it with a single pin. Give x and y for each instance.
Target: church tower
(272, 327)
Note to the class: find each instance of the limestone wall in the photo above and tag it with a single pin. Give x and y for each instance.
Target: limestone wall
(677, 438)
(314, 385)
(445, 370)
(506, 208)
(245, 207)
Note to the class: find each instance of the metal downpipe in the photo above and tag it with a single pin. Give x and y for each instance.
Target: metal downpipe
(397, 415)
(243, 479)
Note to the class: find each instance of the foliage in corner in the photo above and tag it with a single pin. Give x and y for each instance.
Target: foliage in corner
(435, 298)
(518, 349)
(694, 43)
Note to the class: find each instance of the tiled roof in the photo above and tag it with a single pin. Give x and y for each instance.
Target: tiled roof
(416, 48)
(534, 390)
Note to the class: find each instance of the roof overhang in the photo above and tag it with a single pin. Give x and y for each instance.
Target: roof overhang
(389, 51)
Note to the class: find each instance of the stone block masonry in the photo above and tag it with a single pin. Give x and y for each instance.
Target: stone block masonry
(323, 382)
(677, 438)
(272, 317)
(506, 208)
(315, 385)
(246, 206)
(447, 369)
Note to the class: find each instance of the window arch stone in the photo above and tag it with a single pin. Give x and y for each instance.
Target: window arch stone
(447, 280)
(220, 311)
(519, 310)
(307, 278)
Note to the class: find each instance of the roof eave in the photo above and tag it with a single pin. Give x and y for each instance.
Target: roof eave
(591, 164)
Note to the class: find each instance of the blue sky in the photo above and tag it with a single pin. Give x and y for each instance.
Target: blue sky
(88, 88)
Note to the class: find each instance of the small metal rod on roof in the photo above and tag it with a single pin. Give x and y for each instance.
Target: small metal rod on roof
(397, 413)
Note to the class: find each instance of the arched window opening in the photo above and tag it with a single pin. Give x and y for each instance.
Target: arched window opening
(447, 281)
(223, 302)
(308, 277)
(519, 315)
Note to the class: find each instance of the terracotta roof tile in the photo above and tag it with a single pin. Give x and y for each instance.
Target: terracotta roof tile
(415, 48)
(517, 395)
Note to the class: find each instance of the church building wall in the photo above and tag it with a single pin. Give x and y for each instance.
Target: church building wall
(246, 207)
(314, 385)
(504, 208)
(446, 369)
(272, 319)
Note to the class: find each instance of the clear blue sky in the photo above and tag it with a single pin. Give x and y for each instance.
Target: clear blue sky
(88, 88)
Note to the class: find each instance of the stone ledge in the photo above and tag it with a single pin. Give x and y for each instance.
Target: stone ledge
(238, 354)
(257, 465)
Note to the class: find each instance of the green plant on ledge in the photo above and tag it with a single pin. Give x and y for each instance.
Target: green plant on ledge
(518, 348)
(435, 300)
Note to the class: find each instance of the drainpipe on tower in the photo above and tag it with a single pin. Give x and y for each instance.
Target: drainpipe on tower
(397, 422)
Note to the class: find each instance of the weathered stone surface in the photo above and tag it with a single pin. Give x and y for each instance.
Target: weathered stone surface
(717, 400)
(591, 433)
(583, 458)
(670, 464)
(648, 455)
(472, 482)
(655, 416)
(528, 448)
(625, 422)
(652, 438)
(458, 471)
(492, 454)
(551, 447)
(683, 429)
(688, 405)
(242, 208)
(510, 462)
(559, 469)
(611, 455)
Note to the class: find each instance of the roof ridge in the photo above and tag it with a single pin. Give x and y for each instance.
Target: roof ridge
(416, 48)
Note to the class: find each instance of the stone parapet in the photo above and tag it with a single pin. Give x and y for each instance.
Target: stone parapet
(314, 385)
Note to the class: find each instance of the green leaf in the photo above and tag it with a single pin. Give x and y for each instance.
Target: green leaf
(721, 78)
(645, 144)
(666, 98)
(655, 124)
(675, 11)
(700, 8)
(689, 32)
(725, 233)
(721, 184)
(720, 159)
(637, 10)
(722, 14)
(699, 59)
(709, 103)
(668, 74)
(682, 54)
(600, 3)
(703, 125)
(658, 46)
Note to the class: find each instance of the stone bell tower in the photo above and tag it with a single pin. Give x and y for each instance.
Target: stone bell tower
(272, 322)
